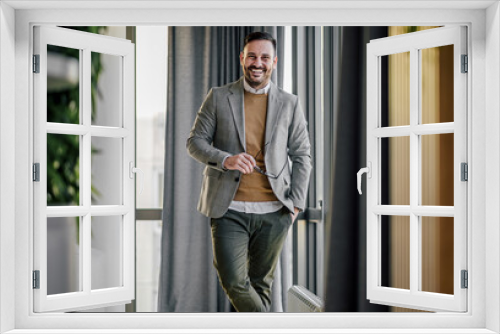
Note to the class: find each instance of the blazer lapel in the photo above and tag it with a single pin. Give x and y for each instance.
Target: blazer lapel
(274, 105)
(236, 103)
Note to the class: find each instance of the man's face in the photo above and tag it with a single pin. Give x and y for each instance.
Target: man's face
(258, 63)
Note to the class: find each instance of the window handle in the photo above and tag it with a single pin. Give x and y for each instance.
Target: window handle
(368, 171)
(134, 170)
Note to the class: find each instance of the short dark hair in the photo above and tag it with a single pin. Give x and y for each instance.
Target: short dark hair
(260, 35)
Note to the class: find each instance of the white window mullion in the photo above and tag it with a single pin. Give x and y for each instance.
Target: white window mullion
(108, 132)
(414, 169)
(86, 248)
(422, 129)
(109, 210)
(378, 260)
(128, 105)
(79, 211)
(81, 130)
(393, 131)
(81, 256)
(86, 169)
(66, 211)
(67, 129)
(434, 129)
(86, 114)
(418, 129)
(406, 210)
(392, 210)
(434, 211)
(84, 256)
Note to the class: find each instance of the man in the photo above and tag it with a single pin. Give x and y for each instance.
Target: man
(246, 132)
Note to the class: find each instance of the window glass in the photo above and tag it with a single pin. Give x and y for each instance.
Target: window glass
(395, 167)
(107, 249)
(107, 90)
(437, 254)
(437, 81)
(63, 169)
(107, 173)
(395, 242)
(63, 85)
(437, 169)
(395, 80)
(63, 255)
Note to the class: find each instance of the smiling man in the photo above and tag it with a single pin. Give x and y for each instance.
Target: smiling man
(246, 133)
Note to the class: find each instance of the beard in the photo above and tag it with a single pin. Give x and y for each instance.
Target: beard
(256, 81)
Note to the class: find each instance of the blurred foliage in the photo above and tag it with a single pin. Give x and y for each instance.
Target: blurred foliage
(63, 151)
(63, 172)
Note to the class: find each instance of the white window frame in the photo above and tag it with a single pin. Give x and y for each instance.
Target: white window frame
(85, 297)
(414, 43)
(483, 129)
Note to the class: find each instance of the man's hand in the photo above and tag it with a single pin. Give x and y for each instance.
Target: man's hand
(294, 214)
(243, 162)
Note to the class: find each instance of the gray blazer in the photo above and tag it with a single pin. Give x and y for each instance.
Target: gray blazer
(219, 131)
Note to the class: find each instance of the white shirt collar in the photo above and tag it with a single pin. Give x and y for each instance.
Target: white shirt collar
(252, 90)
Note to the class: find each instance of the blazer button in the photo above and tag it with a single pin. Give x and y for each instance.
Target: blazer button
(236, 179)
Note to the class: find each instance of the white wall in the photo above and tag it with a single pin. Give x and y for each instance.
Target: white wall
(7, 171)
(492, 165)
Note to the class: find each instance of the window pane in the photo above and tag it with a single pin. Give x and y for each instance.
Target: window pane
(437, 84)
(395, 89)
(151, 102)
(395, 171)
(107, 100)
(437, 254)
(437, 169)
(107, 250)
(148, 250)
(63, 255)
(395, 244)
(63, 85)
(150, 159)
(63, 169)
(107, 171)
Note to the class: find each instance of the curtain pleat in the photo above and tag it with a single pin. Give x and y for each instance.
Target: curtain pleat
(306, 85)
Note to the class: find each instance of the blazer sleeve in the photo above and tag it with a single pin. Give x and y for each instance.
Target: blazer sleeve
(199, 144)
(299, 151)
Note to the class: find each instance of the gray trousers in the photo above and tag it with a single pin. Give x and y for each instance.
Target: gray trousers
(246, 249)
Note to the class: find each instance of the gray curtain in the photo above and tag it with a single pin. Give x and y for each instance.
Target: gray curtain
(346, 209)
(306, 84)
(198, 58)
(332, 54)
(306, 69)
